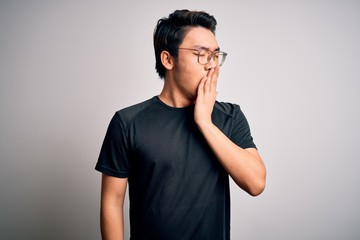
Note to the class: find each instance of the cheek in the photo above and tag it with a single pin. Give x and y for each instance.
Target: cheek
(191, 74)
(194, 76)
(196, 72)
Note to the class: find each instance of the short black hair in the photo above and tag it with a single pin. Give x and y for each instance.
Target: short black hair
(170, 32)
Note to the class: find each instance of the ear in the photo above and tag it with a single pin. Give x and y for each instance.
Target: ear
(167, 60)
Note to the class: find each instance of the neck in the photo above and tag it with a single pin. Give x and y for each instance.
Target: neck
(175, 98)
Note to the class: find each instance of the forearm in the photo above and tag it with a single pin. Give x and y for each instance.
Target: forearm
(245, 166)
(112, 222)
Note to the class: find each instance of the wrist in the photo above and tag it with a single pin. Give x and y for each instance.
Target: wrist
(204, 125)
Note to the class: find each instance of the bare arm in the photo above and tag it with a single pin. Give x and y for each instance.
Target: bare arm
(111, 213)
(245, 166)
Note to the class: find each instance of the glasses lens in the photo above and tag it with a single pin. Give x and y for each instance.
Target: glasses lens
(221, 58)
(205, 56)
(218, 57)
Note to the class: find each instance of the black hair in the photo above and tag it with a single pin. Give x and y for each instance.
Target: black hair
(170, 32)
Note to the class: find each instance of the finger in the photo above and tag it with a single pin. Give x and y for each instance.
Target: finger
(201, 86)
(209, 80)
(216, 73)
(214, 79)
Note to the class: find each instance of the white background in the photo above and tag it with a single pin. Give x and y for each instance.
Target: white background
(67, 66)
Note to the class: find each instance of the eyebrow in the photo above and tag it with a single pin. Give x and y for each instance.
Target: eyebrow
(206, 48)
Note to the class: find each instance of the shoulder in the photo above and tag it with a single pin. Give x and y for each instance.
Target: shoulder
(226, 108)
(229, 111)
(126, 115)
(135, 109)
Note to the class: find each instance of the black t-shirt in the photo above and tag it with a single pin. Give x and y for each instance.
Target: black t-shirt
(177, 187)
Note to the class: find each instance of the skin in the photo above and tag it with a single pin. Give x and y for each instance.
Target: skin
(189, 83)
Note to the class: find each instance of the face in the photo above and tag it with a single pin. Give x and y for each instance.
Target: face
(187, 72)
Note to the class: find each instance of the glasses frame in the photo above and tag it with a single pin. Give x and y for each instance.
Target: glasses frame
(211, 56)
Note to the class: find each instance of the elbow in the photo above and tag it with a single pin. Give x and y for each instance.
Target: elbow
(254, 188)
(257, 189)
(258, 184)
(254, 183)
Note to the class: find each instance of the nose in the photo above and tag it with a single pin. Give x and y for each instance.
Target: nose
(212, 62)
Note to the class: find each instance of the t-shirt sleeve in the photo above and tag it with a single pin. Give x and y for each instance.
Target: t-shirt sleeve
(241, 134)
(113, 158)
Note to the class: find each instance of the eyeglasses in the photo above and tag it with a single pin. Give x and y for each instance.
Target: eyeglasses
(205, 55)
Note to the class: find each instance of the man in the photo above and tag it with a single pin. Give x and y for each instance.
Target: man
(176, 150)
